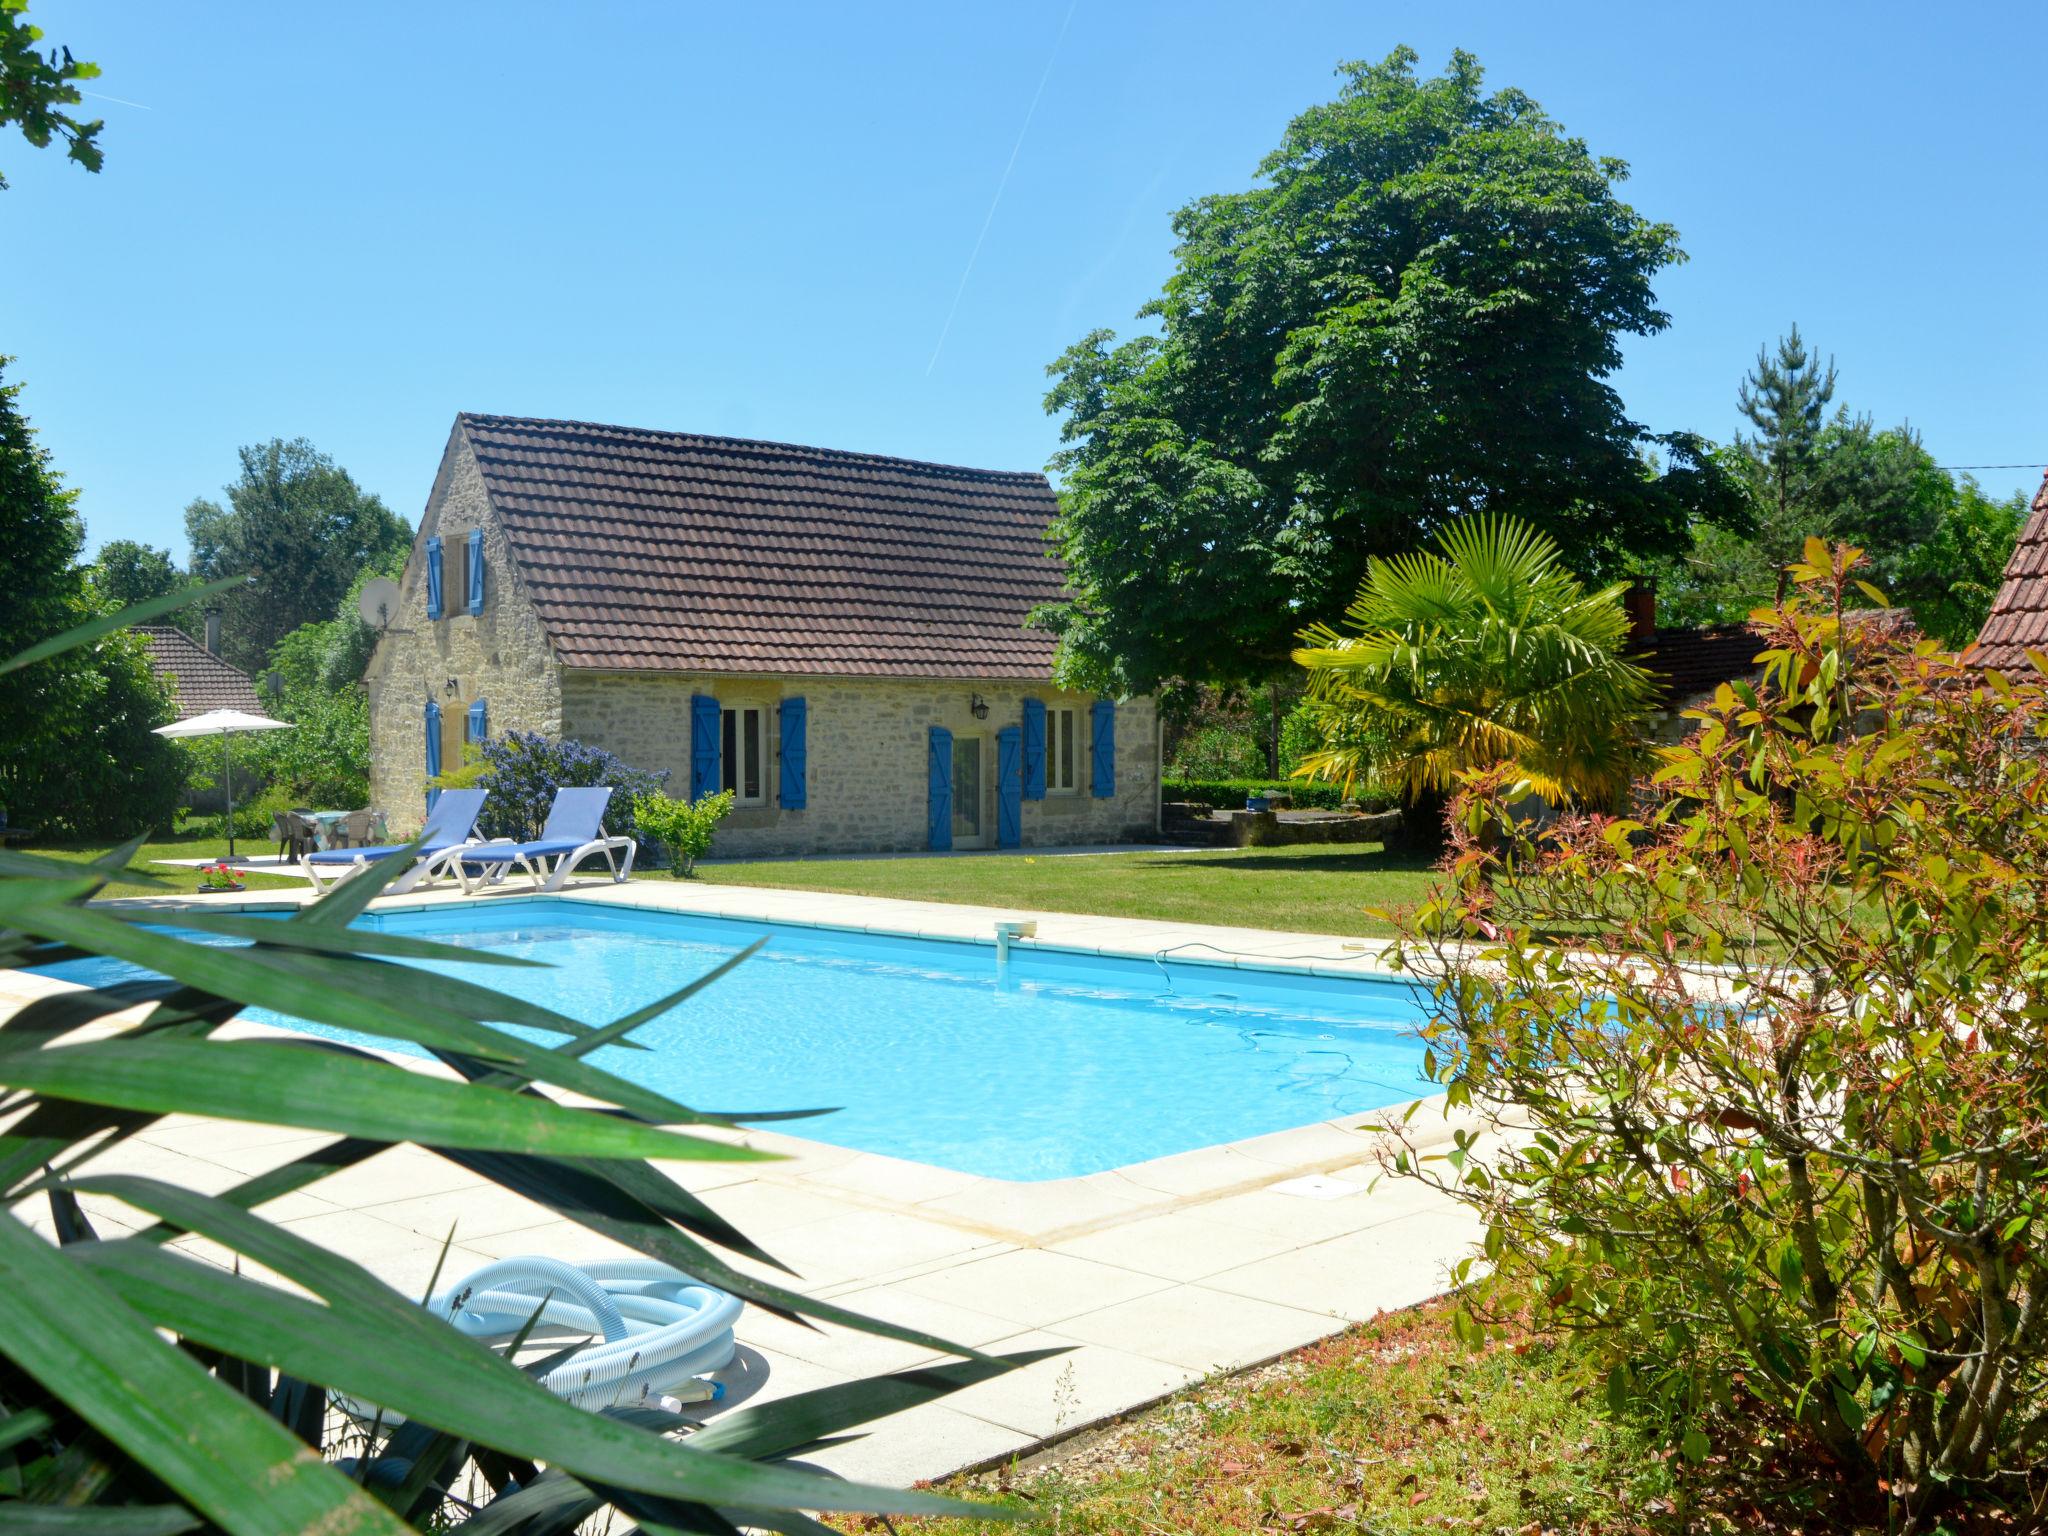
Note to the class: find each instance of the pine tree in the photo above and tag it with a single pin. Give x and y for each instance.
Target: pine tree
(1786, 399)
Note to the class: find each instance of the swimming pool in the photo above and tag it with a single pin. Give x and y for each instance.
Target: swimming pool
(1067, 1064)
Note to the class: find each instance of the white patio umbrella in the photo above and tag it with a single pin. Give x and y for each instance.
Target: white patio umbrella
(224, 723)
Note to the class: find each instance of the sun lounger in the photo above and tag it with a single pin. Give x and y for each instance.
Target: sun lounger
(574, 832)
(451, 826)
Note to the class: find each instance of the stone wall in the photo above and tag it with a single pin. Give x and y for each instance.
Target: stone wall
(501, 656)
(866, 744)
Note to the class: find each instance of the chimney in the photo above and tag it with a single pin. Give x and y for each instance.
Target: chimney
(1641, 602)
(213, 631)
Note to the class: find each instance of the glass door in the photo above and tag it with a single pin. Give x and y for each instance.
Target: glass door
(967, 827)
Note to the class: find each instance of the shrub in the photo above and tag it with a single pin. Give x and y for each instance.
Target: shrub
(682, 829)
(1231, 794)
(522, 771)
(1771, 1129)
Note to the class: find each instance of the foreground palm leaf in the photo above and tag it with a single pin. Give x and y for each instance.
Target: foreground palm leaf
(108, 1425)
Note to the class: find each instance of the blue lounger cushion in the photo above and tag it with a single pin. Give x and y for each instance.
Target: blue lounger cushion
(503, 853)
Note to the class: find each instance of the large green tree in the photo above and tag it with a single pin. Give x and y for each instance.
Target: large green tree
(36, 85)
(1414, 316)
(126, 572)
(302, 529)
(77, 757)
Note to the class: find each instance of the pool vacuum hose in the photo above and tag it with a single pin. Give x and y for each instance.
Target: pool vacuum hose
(659, 1328)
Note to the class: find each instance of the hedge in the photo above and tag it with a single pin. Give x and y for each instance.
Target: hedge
(1231, 794)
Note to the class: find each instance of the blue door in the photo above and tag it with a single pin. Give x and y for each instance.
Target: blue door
(1009, 787)
(939, 787)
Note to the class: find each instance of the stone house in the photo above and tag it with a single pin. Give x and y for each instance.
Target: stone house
(838, 638)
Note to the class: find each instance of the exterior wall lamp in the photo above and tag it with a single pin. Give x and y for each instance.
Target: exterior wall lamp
(977, 706)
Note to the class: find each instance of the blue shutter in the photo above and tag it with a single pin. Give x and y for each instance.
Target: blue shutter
(476, 571)
(479, 724)
(1102, 750)
(433, 744)
(1034, 749)
(795, 755)
(940, 807)
(1009, 788)
(703, 745)
(434, 578)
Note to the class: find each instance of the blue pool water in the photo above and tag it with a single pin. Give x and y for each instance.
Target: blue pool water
(1070, 1065)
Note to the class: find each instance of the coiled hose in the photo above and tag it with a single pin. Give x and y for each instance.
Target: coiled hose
(659, 1327)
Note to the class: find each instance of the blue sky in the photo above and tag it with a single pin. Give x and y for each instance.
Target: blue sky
(349, 222)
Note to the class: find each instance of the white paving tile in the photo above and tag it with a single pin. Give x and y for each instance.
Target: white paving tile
(1180, 1245)
(1202, 1329)
(1363, 1274)
(1032, 1286)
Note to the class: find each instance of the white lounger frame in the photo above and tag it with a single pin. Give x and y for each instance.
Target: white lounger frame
(423, 872)
(544, 876)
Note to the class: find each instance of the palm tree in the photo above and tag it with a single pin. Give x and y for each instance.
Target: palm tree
(1489, 653)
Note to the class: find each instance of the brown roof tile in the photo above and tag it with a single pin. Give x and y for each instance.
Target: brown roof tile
(200, 679)
(2019, 614)
(664, 551)
(1695, 661)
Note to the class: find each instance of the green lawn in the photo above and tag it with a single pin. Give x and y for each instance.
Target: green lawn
(1310, 890)
(1395, 1429)
(171, 882)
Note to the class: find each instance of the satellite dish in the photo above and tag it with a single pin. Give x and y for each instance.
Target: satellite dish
(378, 604)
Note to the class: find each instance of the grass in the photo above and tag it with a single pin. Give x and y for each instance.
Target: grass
(1395, 1429)
(1307, 890)
(142, 877)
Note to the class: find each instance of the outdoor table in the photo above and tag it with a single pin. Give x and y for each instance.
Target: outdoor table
(329, 827)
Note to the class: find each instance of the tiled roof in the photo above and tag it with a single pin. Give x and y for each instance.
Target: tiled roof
(1696, 661)
(201, 680)
(2019, 614)
(663, 551)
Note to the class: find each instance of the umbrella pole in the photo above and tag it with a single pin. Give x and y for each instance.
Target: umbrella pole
(227, 753)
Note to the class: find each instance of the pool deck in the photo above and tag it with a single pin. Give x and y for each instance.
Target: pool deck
(1151, 1276)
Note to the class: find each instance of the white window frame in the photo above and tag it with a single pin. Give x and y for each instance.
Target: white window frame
(731, 769)
(1054, 732)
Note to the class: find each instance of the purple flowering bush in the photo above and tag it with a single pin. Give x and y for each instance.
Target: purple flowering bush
(523, 769)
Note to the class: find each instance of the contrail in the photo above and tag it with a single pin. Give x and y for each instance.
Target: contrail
(119, 101)
(974, 255)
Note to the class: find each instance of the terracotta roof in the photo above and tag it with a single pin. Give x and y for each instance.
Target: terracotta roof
(200, 679)
(2019, 614)
(664, 551)
(1696, 661)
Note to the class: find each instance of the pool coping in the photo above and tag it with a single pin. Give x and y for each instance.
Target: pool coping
(1153, 1275)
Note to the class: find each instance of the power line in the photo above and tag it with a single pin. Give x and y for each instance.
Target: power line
(1992, 466)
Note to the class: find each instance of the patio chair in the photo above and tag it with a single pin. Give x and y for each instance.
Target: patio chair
(451, 826)
(574, 832)
(357, 828)
(283, 828)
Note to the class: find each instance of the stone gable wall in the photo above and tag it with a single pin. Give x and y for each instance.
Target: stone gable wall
(866, 745)
(501, 656)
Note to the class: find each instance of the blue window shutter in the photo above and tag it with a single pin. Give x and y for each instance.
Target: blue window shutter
(1034, 749)
(795, 755)
(941, 803)
(703, 745)
(434, 578)
(479, 724)
(1102, 750)
(433, 749)
(1009, 788)
(476, 571)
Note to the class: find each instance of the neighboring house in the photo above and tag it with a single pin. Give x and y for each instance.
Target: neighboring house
(2018, 621)
(199, 680)
(838, 638)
